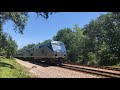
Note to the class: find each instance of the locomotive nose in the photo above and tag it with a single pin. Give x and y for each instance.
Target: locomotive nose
(60, 55)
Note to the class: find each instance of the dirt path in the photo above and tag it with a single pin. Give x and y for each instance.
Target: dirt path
(44, 71)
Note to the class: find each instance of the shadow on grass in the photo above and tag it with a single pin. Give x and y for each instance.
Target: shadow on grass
(2, 64)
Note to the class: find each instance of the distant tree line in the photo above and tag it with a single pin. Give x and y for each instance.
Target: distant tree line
(33, 45)
(98, 43)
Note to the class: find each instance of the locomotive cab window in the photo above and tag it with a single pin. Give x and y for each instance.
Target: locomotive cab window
(58, 47)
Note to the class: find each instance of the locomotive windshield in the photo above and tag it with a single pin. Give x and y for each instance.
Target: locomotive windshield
(58, 47)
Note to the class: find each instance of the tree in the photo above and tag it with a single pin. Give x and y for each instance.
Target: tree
(33, 45)
(11, 47)
(8, 45)
(104, 35)
(30, 45)
(38, 44)
(46, 41)
(19, 19)
(77, 45)
(64, 35)
(3, 39)
(73, 40)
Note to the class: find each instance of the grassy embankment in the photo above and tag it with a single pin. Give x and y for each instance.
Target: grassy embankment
(11, 69)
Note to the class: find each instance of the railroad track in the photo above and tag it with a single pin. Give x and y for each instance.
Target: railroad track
(97, 71)
(109, 68)
(102, 67)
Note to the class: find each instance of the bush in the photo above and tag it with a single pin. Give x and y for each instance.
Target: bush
(108, 59)
(92, 60)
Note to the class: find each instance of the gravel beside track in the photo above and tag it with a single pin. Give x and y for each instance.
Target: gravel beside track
(44, 71)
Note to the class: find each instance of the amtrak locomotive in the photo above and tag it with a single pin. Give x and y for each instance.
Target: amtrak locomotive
(52, 53)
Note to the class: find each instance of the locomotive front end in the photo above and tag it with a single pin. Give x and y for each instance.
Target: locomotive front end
(59, 50)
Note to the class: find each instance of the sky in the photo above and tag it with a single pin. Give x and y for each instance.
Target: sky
(39, 29)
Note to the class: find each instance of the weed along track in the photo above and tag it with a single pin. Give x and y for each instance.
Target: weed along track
(91, 70)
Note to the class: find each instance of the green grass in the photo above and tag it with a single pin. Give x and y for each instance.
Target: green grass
(11, 69)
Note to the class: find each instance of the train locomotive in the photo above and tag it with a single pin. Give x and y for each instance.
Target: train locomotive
(53, 52)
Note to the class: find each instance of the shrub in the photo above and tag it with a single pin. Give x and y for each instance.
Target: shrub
(92, 60)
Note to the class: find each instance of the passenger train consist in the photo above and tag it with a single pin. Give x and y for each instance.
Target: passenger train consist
(52, 53)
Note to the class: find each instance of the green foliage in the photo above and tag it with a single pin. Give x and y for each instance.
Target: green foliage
(44, 42)
(73, 39)
(98, 43)
(11, 69)
(11, 47)
(8, 46)
(38, 44)
(30, 46)
(92, 60)
(104, 35)
(64, 35)
(19, 19)
(45, 15)
(33, 45)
